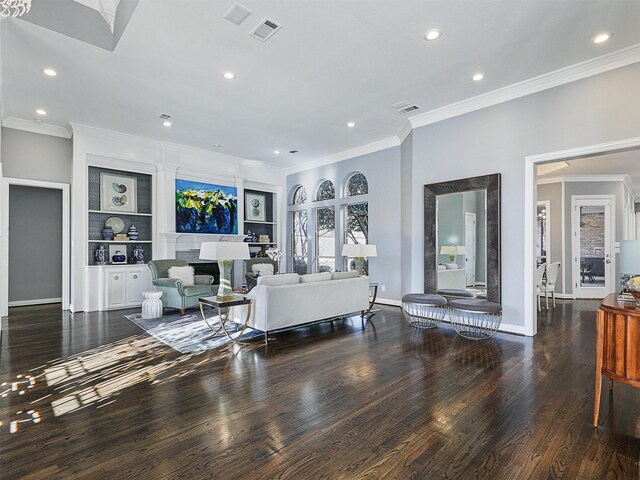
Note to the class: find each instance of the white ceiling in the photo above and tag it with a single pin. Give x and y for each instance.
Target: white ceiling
(332, 62)
(622, 163)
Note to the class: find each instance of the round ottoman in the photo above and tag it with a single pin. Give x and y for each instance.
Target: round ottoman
(475, 319)
(151, 305)
(424, 310)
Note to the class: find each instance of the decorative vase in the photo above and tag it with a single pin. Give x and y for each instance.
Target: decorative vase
(133, 232)
(101, 256)
(118, 257)
(249, 236)
(138, 254)
(107, 232)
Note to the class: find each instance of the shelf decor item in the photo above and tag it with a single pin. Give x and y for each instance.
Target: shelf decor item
(101, 256)
(206, 208)
(248, 237)
(138, 254)
(117, 254)
(116, 223)
(121, 237)
(264, 239)
(118, 193)
(255, 207)
(107, 232)
(133, 232)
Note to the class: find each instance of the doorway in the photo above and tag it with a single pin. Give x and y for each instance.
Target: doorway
(592, 230)
(35, 243)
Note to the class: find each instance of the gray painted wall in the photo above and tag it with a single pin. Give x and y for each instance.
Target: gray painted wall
(382, 170)
(553, 193)
(35, 243)
(599, 109)
(35, 156)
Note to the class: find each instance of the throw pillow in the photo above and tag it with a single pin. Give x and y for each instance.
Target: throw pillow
(315, 277)
(276, 280)
(184, 274)
(263, 268)
(342, 275)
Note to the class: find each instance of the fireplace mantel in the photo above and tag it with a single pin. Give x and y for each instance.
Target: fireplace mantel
(171, 242)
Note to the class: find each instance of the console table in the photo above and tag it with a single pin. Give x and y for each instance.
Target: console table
(617, 350)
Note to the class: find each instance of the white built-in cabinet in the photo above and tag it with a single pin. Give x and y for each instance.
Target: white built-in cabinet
(117, 286)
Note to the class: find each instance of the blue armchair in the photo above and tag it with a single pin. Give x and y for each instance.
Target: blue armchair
(174, 293)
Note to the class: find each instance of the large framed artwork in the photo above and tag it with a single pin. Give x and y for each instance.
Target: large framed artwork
(118, 193)
(255, 207)
(206, 208)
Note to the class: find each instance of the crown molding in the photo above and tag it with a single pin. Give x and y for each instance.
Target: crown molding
(346, 155)
(622, 178)
(572, 73)
(35, 127)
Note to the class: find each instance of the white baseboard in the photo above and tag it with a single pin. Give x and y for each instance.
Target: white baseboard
(562, 296)
(37, 301)
(389, 301)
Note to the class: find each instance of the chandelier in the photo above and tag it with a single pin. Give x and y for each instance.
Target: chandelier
(14, 8)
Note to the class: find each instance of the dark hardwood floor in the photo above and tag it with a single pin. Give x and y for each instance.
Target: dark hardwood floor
(335, 401)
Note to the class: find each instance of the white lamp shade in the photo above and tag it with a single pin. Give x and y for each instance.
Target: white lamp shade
(359, 250)
(452, 250)
(630, 256)
(224, 251)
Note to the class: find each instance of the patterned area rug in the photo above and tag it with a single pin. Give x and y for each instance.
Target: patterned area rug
(189, 333)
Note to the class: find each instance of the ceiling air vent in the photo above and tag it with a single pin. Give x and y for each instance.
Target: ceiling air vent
(405, 107)
(237, 13)
(164, 116)
(265, 30)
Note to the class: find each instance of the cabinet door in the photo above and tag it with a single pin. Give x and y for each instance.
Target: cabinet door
(134, 287)
(115, 289)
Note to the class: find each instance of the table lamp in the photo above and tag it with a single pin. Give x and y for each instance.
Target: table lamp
(225, 253)
(630, 264)
(452, 250)
(359, 251)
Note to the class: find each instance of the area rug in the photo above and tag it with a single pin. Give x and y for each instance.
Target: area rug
(189, 333)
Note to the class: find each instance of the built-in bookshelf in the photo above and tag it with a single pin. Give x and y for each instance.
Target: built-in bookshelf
(142, 218)
(267, 226)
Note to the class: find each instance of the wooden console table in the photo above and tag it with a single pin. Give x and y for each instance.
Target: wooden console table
(617, 350)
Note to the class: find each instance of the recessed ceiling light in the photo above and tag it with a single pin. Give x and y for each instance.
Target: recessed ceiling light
(277, 152)
(166, 123)
(477, 77)
(50, 72)
(601, 38)
(432, 35)
(351, 124)
(41, 111)
(229, 75)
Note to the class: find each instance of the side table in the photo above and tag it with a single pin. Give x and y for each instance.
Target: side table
(152, 304)
(228, 305)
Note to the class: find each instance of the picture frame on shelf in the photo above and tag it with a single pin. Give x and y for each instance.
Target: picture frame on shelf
(118, 193)
(255, 207)
(117, 249)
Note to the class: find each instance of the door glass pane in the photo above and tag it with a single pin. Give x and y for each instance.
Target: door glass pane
(299, 242)
(592, 246)
(542, 234)
(326, 245)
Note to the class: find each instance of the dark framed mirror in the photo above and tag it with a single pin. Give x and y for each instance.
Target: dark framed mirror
(462, 238)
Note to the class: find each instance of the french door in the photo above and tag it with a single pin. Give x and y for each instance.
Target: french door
(592, 230)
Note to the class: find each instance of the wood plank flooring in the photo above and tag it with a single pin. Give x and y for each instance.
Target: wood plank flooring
(340, 400)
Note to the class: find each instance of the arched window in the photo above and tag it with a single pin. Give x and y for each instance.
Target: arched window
(356, 185)
(326, 191)
(299, 196)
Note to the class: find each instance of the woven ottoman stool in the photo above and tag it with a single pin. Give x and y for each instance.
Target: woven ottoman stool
(475, 319)
(424, 310)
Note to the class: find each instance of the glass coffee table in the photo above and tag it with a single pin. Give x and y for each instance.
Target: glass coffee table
(227, 305)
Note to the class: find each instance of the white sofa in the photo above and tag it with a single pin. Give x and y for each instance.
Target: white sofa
(285, 301)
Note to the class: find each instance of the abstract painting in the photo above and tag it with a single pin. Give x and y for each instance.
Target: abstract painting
(206, 208)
